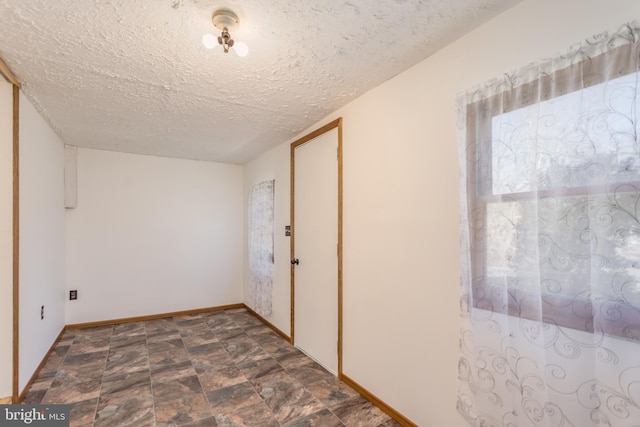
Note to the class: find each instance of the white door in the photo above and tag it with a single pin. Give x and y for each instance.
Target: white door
(315, 234)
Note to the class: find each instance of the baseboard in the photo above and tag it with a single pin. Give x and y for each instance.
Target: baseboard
(379, 403)
(6, 400)
(26, 388)
(153, 316)
(269, 324)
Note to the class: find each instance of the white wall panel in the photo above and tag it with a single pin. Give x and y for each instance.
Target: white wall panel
(153, 235)
(42, 228)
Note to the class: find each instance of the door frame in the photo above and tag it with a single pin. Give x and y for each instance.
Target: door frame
(335, 124)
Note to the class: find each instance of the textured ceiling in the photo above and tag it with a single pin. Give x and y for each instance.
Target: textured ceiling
(133, 75)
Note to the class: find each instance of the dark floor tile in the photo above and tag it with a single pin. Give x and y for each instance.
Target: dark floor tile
(172, 372)
(187, 331)
(214, 379)
(188, 319)
(244, 318)
(42, 383)
(60, 349)
(207, 422)
(157, 326)
(165, 344)
(130, 329)
(266, 337)
(391, 423)
(124, 384)
(125, 363)
(68, 334)
(322, 418)
(260, 368)
(359, 412)
(89, 346)
(34, 397)
(130, 411)
(206, 363)
(201, 338)
(275, 347)
(331, 392)
(293, 359)
(219, 322)
(186, 410)
(63, 393)
(245, 351)
(51, 365)
(310, 373)
(86, 359)
(231, 398)
(176, 389)
(211, 349)
(258, 329)
(249, 416)
(230, 334)
(128, 343)
(157, 339)
(85, 335)
(82, 413)
(169, 357)
(286, 397)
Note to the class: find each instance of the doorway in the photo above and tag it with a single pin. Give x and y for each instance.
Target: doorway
(316, 245)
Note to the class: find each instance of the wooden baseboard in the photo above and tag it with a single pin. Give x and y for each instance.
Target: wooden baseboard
(26, 388)
(379, 403)
(6, 400)
(153, 316)
(269, 324)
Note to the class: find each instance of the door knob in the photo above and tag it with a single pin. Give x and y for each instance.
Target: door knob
(295, 261)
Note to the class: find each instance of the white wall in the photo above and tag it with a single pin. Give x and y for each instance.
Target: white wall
(273, 165)
(153, 235)
(6, 237)
(42, 228)
(401, 253)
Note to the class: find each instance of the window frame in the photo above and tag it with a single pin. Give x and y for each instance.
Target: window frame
(488, 293)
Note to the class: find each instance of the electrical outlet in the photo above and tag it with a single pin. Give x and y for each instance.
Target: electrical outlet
(42, 312)
(73, 295)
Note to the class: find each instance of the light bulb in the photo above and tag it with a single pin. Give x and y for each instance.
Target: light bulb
(241, 48)
(209, 41)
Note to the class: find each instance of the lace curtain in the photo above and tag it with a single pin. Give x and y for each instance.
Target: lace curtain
(550, 220)
(261, 246)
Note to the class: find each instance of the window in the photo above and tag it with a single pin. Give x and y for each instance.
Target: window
(556, 203)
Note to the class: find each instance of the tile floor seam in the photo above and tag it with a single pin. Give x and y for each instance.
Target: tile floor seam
(254, 387)
(146, 346)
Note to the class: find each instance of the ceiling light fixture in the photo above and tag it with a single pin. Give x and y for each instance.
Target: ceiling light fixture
(225, 21)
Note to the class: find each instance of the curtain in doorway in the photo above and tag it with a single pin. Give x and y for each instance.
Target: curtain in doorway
(550, 241)
(261, 203)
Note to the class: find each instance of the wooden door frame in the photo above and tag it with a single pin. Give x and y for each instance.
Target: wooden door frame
(5, 71)
(337, 123)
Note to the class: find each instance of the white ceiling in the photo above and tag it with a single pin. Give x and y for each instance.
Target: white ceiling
(133, 75)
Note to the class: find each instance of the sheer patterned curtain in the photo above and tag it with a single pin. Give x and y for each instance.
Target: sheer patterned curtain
(550, 201)
(261, 246)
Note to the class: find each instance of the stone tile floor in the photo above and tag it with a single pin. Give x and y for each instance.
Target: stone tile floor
(222, 368)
